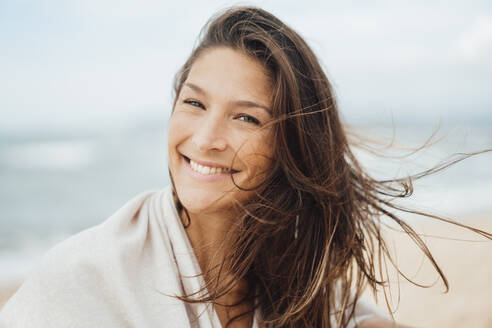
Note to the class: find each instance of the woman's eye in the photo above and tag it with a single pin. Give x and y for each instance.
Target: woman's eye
(249, 119)
(194, 103)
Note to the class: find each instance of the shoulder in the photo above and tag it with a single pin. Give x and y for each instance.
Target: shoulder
(101, 239)
(86, 270)
(128, 227)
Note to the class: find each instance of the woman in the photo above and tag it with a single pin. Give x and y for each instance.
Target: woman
(269, 220)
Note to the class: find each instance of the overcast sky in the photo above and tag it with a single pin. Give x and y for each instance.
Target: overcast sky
(76, 63)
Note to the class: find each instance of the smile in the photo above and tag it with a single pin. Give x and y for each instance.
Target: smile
(208, 170)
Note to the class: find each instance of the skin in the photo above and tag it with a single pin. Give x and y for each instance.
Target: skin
(214, 120)
(220, 118)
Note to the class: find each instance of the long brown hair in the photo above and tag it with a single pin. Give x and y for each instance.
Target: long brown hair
(308, 243)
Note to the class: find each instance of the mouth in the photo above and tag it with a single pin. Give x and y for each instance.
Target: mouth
(208, 170)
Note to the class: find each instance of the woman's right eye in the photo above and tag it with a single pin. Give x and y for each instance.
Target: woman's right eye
(194, 103)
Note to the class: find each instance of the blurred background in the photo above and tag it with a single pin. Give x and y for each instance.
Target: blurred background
(86, 93)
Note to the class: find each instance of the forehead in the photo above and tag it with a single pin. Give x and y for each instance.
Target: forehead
(227, 73)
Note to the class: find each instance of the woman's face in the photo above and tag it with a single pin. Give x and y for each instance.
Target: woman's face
(217, 122)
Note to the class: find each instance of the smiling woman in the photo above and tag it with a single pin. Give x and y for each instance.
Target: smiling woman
(270, 221)
(252, 100)
(217, 129)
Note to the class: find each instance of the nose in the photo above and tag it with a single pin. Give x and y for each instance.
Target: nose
(209, 135)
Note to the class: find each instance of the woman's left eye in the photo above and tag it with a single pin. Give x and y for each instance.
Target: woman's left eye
(249, 119)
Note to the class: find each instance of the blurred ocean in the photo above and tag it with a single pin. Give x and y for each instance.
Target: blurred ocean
(56, 184)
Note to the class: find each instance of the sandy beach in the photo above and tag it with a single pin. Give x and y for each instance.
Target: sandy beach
(466, 264)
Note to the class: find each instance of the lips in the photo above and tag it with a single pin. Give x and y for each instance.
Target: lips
(209, 168)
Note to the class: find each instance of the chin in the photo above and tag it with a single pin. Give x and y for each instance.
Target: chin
(203, 202)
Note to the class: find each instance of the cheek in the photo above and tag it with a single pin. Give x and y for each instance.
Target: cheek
(176, 135)
(257, 155)
(177, 130)
(257, 162)
(171, 140)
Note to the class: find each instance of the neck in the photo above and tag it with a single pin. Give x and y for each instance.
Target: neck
(206, 233)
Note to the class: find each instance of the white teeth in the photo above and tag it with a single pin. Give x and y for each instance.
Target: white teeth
(207, 170)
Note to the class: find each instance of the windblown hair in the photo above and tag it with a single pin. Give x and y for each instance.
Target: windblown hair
(311, 239)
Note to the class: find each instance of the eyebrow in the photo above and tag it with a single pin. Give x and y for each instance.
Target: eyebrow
(240, 103)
